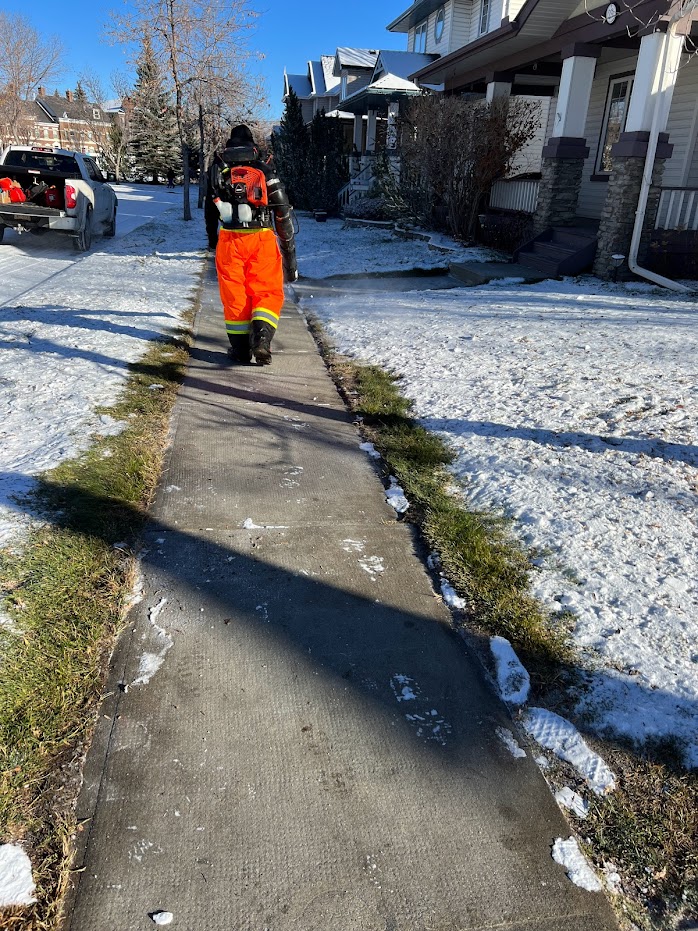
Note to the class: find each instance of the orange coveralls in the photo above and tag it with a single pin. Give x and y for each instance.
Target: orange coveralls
(250, 277)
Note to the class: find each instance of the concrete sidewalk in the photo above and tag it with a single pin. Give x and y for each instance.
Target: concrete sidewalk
(303, 742)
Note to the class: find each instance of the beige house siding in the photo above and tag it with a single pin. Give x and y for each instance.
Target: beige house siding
(681, 127)
(683, 120)
(461, 22)
(593, 193)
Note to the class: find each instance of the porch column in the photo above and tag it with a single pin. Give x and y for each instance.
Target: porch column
(358, 139)
(371, 131)
(566, 150)
(656, 71)
(498, 86)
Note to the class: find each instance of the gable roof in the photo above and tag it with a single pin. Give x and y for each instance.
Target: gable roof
(354, 58)
(299, 84)
(400, 64)
(60, 108)
(331, 81)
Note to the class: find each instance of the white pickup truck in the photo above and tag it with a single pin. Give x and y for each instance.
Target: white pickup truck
(66, 192)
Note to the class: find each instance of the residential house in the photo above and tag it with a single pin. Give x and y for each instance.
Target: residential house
(619, 78)
(318, 90)
(82, 125)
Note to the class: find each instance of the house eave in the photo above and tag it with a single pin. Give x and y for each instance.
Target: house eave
(415, 14)
(376, 99)
(524, 37)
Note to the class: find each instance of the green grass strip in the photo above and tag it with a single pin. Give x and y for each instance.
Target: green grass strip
(67, 589)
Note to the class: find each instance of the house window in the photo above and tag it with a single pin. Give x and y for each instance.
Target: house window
(420, 37)
(484, 16)
(95, 114)
(439, 25)
(615, 116)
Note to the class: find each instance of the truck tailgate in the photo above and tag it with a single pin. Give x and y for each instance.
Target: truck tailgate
(29, 211)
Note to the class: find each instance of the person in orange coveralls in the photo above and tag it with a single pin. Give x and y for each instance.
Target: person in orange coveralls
(254, 211)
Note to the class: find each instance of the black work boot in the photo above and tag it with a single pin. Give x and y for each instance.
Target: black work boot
(261, 336)
(239, 350)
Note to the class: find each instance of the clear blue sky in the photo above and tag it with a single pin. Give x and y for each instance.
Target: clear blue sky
(288, 33)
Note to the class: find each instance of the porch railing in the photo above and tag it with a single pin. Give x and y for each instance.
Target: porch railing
(357, 186)
(678, 209)
(520, 195)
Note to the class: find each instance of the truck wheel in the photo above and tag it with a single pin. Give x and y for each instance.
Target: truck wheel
(83, 240)
(110, 229)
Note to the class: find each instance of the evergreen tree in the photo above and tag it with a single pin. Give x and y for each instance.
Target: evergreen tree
(290, 145)
(327, 169)
(155, 143)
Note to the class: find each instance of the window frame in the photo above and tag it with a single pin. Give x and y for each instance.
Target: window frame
(439, 21)
(420, 33)
(629, 77)
(484, 17)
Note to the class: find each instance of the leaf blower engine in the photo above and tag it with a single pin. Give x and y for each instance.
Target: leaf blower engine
(242, 199)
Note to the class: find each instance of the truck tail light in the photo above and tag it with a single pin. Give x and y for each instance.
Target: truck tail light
(71, 196)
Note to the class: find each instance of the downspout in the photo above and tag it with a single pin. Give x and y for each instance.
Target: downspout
(661, 108)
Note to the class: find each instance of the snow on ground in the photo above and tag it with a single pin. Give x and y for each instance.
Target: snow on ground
(67, 337)
(16, 881)
(572, 407)
(326, 249)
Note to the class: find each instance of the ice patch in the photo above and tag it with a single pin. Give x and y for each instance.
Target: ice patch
(395, 496)
(557, 734)
(449, 595)
(568, 854)
(510, 742)
(16, 881)
(170, 488)
(568, 798)
(512, 678)
(370, 449)
(152, 660)
(353, 546)
(426, 721)
(373, 565)
(402, 688)
(249, 524)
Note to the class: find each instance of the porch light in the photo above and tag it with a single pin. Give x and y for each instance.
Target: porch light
(616, 260)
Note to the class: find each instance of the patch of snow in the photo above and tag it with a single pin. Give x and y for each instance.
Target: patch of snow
(559, 735)
(512, 678)
(326, 249)
(161, 642)
(16, 881)
(510, 742)
(568, 854)
(370, 449)
(612, 878)
(373, 565)
(568, 798)
(71, 326)
(451, 597)
(353, 546)
(395, 496)
(249, 524)
(162, 917)
(402, 688)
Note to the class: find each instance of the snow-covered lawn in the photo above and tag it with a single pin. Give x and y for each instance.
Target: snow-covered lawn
(69, 332)
(573, 408)
(329, 249)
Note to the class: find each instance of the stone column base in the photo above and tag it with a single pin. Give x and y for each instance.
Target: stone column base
(618, 215)
(561, 179)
